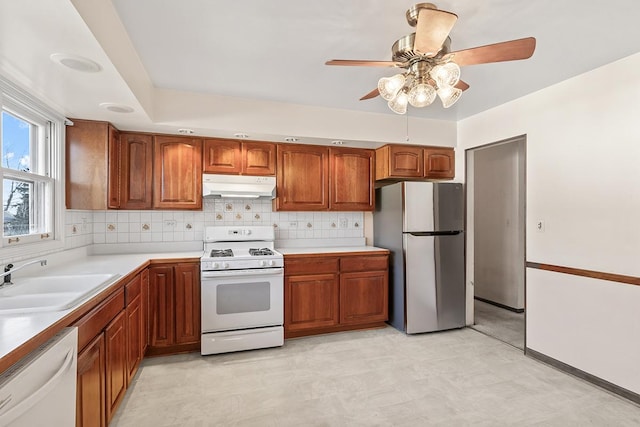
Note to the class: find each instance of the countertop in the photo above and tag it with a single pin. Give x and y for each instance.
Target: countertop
(329, 250)
(21, 330)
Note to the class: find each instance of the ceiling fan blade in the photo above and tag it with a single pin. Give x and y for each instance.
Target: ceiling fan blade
(462, 85)
(371, 94)
(498, 52)
(432, 30)
(356, 63)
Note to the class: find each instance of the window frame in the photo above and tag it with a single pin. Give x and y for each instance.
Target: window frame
(49, 160)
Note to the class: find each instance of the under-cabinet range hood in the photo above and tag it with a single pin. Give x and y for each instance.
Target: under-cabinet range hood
(238, 186)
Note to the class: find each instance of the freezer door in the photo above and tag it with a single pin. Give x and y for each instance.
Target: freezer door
(435, 292)
(430, 206)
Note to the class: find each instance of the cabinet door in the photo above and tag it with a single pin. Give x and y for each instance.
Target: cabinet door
(187, 303)
(439, 163)
(222, 156)
(311, 301)
(133, 292)
(144, 302)
(302, 178)
(90, 399)
(161, 306)
(177, 177)
(115, 336)
(136, 166)
(363, 297)
(406, 161)
(258, 158)
(113, 179)
(351, 180)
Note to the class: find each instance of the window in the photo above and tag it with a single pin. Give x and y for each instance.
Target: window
(30, 144)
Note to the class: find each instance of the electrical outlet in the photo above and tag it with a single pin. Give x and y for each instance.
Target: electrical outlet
(170, 222)
(343, 223)
(293, 224)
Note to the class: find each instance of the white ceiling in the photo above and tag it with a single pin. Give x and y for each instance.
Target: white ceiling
(274, 51)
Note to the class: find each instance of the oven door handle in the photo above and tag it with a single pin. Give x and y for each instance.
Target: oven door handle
(243, 273)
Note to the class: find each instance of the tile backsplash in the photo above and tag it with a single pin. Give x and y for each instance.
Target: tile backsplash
(185, 226)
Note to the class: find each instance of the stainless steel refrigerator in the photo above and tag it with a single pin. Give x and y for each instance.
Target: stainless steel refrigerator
(422, 224)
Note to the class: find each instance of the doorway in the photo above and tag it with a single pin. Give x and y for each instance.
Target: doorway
(496, 195)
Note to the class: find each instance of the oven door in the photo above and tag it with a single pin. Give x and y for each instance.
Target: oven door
(241, 299)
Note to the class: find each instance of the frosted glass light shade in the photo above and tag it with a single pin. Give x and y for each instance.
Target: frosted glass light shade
(399, 104)
(449, 95)
(446, 75)
(389, 86)
(422, 95)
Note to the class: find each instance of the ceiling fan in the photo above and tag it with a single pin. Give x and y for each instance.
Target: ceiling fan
(431, 68)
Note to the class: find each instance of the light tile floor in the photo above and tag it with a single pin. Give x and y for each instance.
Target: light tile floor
(368, 378)
(500, 323)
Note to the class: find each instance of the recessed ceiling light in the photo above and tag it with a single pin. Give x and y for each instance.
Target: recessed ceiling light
(291, 139)
(75, 62)
(241, 135)
(186, 131)
(337, 142)
(116, 108)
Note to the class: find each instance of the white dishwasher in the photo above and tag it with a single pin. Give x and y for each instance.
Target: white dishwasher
(40, 389)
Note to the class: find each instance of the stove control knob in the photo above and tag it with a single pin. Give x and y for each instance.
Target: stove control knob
(215, 265)
(272, 262)
(225, 265)
(263, 263)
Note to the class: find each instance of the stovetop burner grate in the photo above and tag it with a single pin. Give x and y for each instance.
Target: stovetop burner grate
(259, 252)
(221, 253)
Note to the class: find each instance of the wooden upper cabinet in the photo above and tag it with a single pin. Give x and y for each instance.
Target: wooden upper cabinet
(233, 157)
(92, 165)
(177, 173)
(351, 177)
(222, 156)
(439, 163)
(397, 162)
(136, 170)
(258, 158)
(302, 178)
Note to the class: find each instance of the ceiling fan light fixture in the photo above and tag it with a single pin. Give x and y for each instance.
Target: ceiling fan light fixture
(389, 86)
(421, 95)
(449, 95)
(446, 74)
(399, 104)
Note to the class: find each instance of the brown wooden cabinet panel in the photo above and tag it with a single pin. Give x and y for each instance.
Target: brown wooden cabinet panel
(399, 161)
(115, 335)
(258, 158)
(439, 163)
(364, 263)
(302, 178)
(187, 303)
(92, 169)
(351, 177)
(363, 297)
(135, 328)
(311, 301)
(161, 306)
(144, 302)
(136, 170)
(222, 156)
(90, 398)
(177, 176)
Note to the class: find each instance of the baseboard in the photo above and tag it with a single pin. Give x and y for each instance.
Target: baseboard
(497, 304)
(615, 389)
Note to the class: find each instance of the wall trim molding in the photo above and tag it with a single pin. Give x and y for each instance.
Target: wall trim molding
(629, 280)
(608, 386)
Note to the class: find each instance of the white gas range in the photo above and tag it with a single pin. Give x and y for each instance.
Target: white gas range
(242, 290)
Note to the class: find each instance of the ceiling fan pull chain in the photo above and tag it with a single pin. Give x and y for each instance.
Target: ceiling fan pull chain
(407, 127)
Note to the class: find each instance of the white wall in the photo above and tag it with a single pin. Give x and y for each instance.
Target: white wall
(583, 154)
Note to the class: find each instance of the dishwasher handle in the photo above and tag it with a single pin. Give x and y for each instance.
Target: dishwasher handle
(22, 407)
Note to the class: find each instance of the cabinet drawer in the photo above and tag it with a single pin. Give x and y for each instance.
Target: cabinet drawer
(91, 324)
(310, 265)
(132, 289)
(364, 263)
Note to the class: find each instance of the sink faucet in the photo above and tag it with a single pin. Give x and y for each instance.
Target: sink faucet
(8, 269)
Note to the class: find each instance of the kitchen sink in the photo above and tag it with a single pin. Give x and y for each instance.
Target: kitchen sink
(51, 293)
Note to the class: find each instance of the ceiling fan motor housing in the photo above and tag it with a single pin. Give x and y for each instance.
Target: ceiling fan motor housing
(412, 13)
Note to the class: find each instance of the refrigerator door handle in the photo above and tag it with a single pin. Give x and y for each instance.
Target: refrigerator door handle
(434, 233)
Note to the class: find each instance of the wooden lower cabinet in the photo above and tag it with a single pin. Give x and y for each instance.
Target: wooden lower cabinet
(115, 336)
(90, 398)
(174, 308)
(329, 293)
(134, 325)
